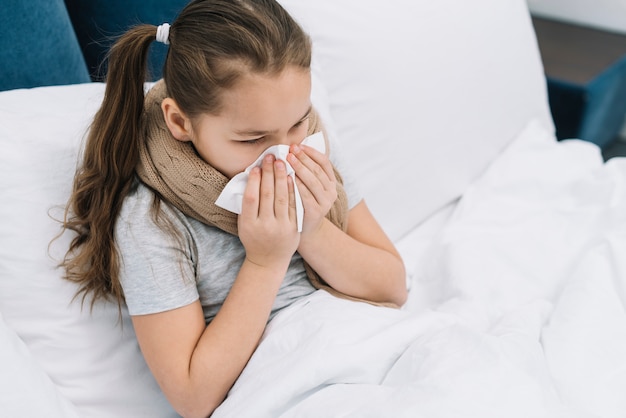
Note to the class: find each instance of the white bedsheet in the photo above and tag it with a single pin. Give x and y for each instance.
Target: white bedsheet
(517, 309)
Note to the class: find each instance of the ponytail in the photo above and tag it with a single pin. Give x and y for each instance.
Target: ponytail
(212, 44)
(108, 169)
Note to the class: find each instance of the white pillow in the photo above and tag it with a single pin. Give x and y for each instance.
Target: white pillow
(92, 358)
(25, 389)
(424, 94)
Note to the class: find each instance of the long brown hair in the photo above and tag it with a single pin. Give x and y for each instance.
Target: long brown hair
(212, 44)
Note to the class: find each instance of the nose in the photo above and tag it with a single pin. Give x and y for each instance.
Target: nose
(292, 138)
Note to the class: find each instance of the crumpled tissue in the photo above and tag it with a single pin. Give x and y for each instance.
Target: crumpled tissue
(232, 196)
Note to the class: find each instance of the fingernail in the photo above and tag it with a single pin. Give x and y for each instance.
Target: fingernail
(296, 149)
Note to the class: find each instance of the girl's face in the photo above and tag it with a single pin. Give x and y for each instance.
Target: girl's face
(258, 112)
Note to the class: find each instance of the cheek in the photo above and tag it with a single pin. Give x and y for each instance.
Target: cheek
(232, 160)
(230, 166)
(216, 156)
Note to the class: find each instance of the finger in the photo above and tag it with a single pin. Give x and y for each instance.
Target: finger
(305, 193)
(311, 180)
(266, 203)
(311, 158)
(250, 202)
(281, 190)
(293, 215)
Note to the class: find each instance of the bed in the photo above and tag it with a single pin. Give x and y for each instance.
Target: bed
(513, 242)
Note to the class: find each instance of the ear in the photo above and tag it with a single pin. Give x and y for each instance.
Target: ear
(177, 122)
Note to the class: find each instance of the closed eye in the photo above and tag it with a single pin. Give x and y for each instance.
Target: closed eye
(264, 134)
(253, 141)
(304, 118)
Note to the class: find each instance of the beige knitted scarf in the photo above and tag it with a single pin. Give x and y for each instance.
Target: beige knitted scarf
(174, 170)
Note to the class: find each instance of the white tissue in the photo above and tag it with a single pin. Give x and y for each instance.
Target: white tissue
(232, 195)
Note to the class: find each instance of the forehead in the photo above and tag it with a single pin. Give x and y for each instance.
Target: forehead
(267, 99)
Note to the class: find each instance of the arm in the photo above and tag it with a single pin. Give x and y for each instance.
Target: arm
(195, 365)
(362, 262)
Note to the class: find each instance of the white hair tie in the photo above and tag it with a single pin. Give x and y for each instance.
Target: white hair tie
(163, 33)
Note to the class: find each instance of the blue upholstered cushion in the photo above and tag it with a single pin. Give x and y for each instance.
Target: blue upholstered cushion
(38, 46)
(99, 22)
(593, 111)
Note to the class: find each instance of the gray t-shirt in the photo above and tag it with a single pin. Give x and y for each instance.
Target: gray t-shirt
(160, 271)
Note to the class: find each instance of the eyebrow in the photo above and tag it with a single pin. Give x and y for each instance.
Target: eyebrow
(253, 132)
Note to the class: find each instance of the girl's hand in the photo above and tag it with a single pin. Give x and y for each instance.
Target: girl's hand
(267, 224)
(316, 183)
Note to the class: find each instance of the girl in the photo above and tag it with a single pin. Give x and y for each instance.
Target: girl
(201, 283)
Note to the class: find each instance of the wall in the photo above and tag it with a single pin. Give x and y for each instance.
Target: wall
(602, 14)
(607, 15)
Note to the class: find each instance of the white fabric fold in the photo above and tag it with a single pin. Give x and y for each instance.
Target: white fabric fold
(232, 195)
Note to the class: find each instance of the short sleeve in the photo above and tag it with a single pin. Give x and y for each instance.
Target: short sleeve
(157, 269)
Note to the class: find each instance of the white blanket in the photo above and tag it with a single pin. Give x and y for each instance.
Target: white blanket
(521, 310)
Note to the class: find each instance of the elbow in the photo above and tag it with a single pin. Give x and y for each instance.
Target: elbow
(401, 296)
(398, 292)
(195, 409)
(392, 290)
(194, 403)
(194, 414)
(393, 295)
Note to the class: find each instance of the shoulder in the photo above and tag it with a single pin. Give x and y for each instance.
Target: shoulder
(144, 215)
(157, 253)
